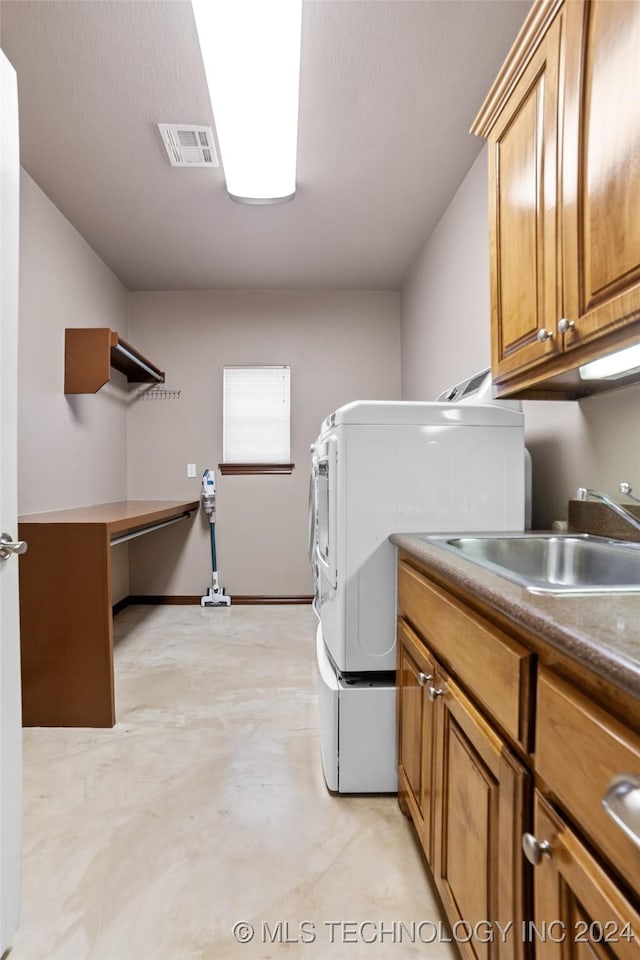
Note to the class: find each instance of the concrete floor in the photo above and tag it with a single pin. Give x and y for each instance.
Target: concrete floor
(205, 807)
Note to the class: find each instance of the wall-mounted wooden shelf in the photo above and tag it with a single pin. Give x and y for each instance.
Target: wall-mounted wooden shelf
(91, 352)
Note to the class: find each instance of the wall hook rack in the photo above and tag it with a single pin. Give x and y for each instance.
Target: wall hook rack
(158, 393)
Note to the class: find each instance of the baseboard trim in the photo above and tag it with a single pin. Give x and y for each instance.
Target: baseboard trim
(242, 599)
(181, 600)
(236, 600)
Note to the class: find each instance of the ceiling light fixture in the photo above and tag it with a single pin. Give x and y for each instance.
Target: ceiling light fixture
(615, 365)
(251, 54)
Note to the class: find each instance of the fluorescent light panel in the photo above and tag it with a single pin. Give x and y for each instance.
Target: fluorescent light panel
(251, 54)
(613, 366)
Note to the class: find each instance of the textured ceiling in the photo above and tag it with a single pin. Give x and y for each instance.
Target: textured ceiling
(389, 89)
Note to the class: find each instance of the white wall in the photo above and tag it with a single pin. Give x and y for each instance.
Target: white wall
(445, 300)
(72, 451)
(341, 346)
(78, 450)
(445, 323)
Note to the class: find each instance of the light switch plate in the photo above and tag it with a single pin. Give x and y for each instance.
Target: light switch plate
(191, 470)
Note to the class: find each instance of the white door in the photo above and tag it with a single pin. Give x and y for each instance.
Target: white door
(10, 708)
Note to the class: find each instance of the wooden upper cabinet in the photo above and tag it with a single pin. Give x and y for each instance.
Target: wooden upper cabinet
(563, 126)
(601, 170)
(522, 215)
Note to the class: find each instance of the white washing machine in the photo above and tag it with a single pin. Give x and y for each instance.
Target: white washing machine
(394, 467)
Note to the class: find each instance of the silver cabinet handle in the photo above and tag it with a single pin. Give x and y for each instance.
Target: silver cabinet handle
(434, 693)
(424, 678)
(8, 546)
(534, 849)
(622, 803)
(565, 325)
(544, 335)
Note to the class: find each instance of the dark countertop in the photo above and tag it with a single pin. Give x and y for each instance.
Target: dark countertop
(600, 631)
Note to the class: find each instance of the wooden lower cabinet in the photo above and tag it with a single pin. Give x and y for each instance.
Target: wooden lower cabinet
(480, 797)
(415, 734)
(467, 772)
(601, 749)
(580, 914)
(466, 793)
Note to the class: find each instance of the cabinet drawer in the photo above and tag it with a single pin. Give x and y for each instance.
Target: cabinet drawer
(495, 667)
(579, 750)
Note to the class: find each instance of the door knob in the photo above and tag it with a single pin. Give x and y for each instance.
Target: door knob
(435, 692)
(8, 546)
(424, 678)
(544, 335)
(534, 849)
(565, 325)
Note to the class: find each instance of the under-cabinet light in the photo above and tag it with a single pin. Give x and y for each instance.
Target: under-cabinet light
(618, 364)
(251, 54)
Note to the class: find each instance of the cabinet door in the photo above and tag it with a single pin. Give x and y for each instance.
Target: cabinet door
(580, 914)
(415, 733)
(480, 796)
(523, 233)
(601, 168)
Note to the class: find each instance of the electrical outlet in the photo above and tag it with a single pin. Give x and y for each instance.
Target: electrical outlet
(191, 470)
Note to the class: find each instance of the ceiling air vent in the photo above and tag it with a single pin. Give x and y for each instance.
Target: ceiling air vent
(188, 145)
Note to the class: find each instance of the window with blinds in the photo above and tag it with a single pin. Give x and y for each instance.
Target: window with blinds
(256, 418)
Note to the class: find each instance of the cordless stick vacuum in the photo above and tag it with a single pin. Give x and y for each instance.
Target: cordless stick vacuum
(215, 595)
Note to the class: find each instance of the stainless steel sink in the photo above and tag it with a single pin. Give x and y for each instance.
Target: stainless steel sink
(554, 563)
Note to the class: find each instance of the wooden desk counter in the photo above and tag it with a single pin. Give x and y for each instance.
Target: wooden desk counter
(66, 629)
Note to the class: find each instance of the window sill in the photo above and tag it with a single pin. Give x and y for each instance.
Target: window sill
(253, 469)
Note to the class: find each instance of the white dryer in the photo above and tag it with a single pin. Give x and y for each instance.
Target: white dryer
(394, 467)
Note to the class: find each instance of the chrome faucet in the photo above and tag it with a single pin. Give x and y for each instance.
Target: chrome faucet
(585, 494)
